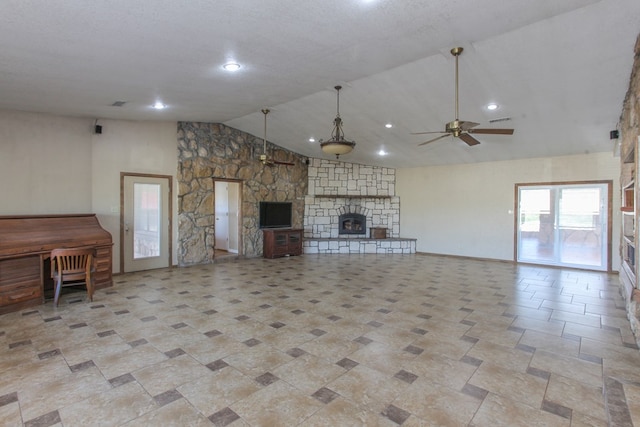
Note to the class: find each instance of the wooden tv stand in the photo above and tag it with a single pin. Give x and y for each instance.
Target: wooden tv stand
(278, 242)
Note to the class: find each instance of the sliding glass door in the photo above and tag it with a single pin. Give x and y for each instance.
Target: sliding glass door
(564, 225)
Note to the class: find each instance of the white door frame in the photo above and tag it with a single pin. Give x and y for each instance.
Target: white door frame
(608, 208)
(169, 224)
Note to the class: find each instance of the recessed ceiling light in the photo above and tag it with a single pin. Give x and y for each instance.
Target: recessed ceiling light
(388, 125)
(492, 106)
(231, 66)
(312, 140)
(382, 153)
(159, 105)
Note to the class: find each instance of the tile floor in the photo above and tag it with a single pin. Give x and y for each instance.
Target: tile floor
(328, 340)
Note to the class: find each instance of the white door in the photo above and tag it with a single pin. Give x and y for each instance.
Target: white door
(145, 242)
(222, 215)
(227, 214)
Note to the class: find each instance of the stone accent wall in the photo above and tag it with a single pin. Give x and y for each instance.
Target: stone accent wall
(630, 139)
(209, 151)
(331, 177)
(353, 188)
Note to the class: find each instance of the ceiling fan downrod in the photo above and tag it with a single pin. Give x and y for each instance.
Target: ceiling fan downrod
(456, 51)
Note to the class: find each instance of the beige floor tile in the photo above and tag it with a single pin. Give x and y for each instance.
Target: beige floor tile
(552, 327)
(169, 374)
(257, 360)
(438, 405)
(518, 386)
(113, 407)
(383, 358)
(441, 370)
(308, 373)
(52, 395)
(176, 414)
(581, 420)
(341, 412)
(212, 393)
(583, 398)
(367, 387)
(588, 372)
(331, 347)
(498, 411)
(278, 404)
(632, 393)
(506, 357)
(444, 345)
(496, 334)
(597, 333)
(10, 415)
(550, 343)
(131, 359)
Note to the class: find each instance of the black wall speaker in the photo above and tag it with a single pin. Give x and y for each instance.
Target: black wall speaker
(614, 134)
(98, 129)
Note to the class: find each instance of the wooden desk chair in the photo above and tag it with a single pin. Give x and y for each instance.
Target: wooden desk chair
(71, 267)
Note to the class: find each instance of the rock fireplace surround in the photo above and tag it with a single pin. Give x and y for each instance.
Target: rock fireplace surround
(336, 188)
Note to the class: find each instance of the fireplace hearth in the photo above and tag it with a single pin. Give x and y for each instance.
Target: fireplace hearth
(352, 223)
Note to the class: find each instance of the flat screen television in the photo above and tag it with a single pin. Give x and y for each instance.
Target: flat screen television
(275, 214)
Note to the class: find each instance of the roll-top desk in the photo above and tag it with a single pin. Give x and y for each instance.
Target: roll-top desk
(25, 245)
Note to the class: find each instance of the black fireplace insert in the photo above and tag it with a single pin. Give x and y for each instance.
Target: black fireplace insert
(352, 223)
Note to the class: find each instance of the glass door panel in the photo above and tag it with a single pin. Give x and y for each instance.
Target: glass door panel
(146, 220)
(536, 230)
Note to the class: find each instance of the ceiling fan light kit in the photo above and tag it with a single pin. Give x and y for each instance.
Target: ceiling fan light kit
(337, 144)
(460, 128)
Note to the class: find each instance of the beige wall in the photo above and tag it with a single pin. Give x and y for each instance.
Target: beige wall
(53, 164)
(45, 164)
(128, 146)
(467, 209)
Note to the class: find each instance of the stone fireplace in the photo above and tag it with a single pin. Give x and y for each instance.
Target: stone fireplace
(346, 201)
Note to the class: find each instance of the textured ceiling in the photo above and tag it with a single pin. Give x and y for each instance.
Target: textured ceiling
(558, 69)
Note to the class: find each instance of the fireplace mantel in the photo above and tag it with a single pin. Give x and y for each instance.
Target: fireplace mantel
(349, 196)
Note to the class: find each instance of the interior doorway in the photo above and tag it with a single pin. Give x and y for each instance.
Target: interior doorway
(227, 195)
(145, 222)
(565, 225)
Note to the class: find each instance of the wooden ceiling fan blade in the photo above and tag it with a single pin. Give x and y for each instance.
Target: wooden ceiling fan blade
(283, 163)
(468, 139)
(468, 125)
(434, 139)
(489, 131)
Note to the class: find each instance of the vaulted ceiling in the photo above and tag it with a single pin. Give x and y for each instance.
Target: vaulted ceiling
(558, 70)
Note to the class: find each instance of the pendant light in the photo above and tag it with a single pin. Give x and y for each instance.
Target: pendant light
(337, 144)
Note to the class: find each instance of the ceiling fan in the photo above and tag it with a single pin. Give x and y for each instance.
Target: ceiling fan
(263, 157)
(459, 128)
